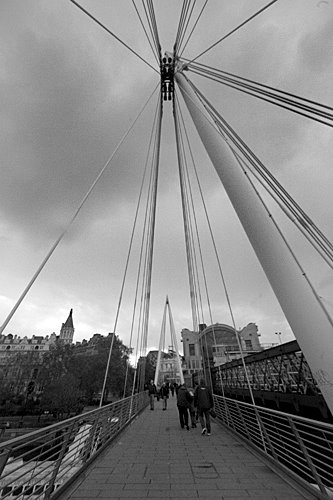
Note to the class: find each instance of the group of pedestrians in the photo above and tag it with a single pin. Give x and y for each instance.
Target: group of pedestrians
(193, 404)
(162, 394)
(196, 404)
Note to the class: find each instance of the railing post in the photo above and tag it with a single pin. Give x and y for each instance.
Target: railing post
(227, 412)
(243, 422)
(90, 440)
(130, 408)
(307, 457)
(55, 471)
(265, 433)
(4, 455)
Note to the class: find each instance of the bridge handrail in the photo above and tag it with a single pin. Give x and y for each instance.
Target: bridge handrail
(39, 464)
(300, 446)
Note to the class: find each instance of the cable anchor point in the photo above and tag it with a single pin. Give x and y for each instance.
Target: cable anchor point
(167, 74)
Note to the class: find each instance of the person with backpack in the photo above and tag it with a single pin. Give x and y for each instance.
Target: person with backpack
(203, 401)
(184, 400)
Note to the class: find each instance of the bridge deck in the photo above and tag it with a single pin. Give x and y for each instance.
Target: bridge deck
(154, 458)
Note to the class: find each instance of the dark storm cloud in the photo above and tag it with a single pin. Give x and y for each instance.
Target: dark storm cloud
(61, 120)
(70, 92)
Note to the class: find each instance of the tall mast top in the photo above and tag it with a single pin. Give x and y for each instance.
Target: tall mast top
(167, 73)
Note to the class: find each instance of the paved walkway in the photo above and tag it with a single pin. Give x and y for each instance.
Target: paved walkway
(154, 458)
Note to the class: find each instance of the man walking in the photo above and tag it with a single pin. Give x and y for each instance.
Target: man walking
(184, 400)
(164, 391)
(203, 401)
(192, 409)
(151, 391)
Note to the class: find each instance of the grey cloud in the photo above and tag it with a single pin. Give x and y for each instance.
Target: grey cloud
(71, 93)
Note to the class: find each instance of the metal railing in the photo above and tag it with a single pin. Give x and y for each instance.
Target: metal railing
(301, 447)
(40, 464)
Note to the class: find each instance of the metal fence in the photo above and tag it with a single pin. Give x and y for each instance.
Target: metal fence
(40, 464)
(301, 447)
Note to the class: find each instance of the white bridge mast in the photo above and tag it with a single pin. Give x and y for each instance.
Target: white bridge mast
(173, 342)
(308, 319)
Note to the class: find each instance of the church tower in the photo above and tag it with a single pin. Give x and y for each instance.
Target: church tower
(67, 330)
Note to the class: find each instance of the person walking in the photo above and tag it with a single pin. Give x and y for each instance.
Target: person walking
(192, 409)
(152, 391)
(164, 391)
(203, 401)
(184, 400)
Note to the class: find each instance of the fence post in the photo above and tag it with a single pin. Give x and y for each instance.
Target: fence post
(55, 471)
(307, 457)
(4, 455)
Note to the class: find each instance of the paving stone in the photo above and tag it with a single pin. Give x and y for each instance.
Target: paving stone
(155, 459)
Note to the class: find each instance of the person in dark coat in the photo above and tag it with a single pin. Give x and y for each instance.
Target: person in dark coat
(151, 391)
(192, 409)
(184, 400)
(203, 401)
(164, 392)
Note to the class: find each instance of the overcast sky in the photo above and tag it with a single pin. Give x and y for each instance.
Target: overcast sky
(69, 93)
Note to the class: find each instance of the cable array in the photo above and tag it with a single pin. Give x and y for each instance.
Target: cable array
(307, 108)
(286, 202)
(152, 24)
(112, 34)
(194, 247)
(241, 25)
(148, 244)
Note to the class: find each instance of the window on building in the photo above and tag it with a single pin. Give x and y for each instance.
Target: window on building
(248, 344)
(191, 349)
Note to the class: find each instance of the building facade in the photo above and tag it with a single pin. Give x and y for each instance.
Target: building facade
(192, 353)
(168, 372)
(10, 345)
(220, 343)
(21, 358)
(67, 330)
(215, 345)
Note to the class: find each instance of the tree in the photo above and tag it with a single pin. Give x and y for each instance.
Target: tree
(62, 396)
(55, 363)
(119, 365)
(6, 391)
(61, 379)
(90, 369)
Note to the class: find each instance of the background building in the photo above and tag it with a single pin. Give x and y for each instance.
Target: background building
(215, 345)
(67, 330)
(21, 358)
(220, 343)
(192, 353)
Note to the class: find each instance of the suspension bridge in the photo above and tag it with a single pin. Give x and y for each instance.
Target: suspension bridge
(123, 450)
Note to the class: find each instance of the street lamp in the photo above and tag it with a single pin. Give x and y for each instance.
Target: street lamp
(279, 335)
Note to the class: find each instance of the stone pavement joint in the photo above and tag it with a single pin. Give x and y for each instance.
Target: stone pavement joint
(155, 459)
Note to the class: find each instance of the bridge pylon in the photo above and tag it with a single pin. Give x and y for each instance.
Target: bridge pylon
(303, 309)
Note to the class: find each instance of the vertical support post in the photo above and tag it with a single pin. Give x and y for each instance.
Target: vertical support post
(175, 343)
(57, 464)
(308, 319)
(307, 457)
(160, 347)
(4, 455)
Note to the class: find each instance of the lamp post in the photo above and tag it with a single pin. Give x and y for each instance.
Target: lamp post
(279, 335)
